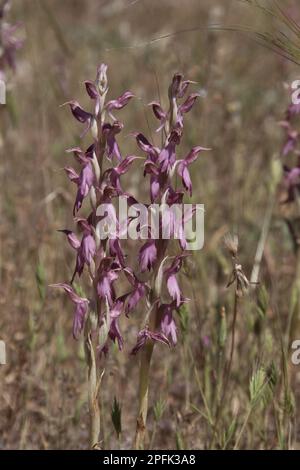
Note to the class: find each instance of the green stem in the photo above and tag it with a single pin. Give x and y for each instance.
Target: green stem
(227, 370)
(146, 356)
(145, 364)
(243, 428)
(93, 395)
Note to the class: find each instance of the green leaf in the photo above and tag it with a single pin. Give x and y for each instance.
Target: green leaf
(41, 280)
(179, 442)
(116, 417)
(159, 408)
(183, 314)
(289, 403)
(262, 301)
(262, 386)
(79, 289)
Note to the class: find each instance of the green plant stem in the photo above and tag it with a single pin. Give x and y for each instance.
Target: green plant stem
(146, 356)
(243, 428)
(145, 364)
(227, 370)
(153, 436)
(93, 395)
(262, 240)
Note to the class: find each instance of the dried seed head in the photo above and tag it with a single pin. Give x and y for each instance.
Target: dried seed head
(238, 277)
(242, 283)
(232, 244)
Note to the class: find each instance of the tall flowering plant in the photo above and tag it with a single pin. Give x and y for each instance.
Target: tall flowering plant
(97, 179)
(102, 257)
(164, 295)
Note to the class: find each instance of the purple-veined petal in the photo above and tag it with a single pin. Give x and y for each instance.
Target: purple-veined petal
(145, 335)
(120, 102)
(154, 188)
(88, 247)
(115, 249)
(174, 289)
(168, 325)
(135, 296)
(91, 89)
(146, 147)
(125, 164)
(150, 168)
(72, 174)
(72, 238)
(70, 291)
(167, 156)
(193, 154)
(183, 88)
(291, 182)
(78, 154)
(110, 131)
(114, 329)
(85, 182)
(79, 266)
(293, 110)
(79, 318)
(188, 104)
(159, 113)
(183, 171)
(81, 307)
(105, 287)
(147, 255)
(115, 333)
(78, 112)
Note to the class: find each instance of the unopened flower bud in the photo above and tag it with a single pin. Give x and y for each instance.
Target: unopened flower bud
(174, 88)
(101, 79)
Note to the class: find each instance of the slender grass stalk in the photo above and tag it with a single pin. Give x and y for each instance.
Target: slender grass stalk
(237, 442)
(263, 239)
(233, 328)
(227, 370)
(241, 286)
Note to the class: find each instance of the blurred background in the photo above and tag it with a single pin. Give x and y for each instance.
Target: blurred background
(244, 95)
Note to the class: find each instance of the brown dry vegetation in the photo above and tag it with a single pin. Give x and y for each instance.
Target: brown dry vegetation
(43, 386)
